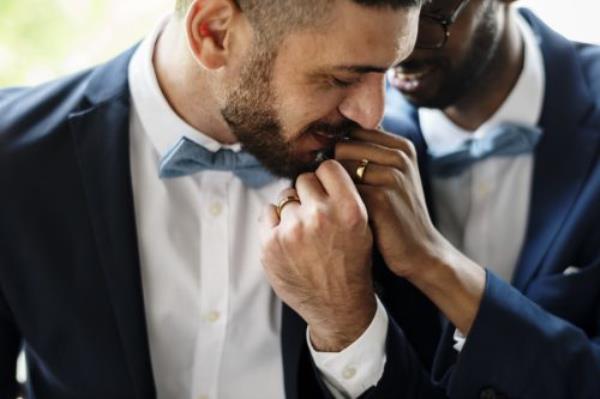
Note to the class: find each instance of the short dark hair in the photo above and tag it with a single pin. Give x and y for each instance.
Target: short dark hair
(274, 18)
(182, 5)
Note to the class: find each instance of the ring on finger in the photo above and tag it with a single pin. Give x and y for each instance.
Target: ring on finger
(286, 201)
(361, 169)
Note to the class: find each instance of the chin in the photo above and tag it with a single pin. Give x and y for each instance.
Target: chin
(435, 101)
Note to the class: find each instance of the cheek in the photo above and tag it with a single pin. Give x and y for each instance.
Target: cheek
(299, 111)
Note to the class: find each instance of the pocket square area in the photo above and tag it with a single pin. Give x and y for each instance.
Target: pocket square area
(571, 270)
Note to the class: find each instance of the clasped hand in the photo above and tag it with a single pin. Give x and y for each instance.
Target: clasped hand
(317, 253)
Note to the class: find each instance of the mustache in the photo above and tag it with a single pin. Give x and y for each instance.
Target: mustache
(338, 131)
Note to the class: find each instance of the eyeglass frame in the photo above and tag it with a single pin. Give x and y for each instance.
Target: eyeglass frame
(445, 23)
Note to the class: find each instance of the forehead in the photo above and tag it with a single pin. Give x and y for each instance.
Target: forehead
(355, 35)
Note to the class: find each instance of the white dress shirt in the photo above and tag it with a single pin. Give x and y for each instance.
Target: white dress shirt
(213, 320)
(484, 210)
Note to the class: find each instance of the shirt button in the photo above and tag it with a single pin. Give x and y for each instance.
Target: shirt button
(348, 373)
(484, 190)
(216, 209)
(212, 316)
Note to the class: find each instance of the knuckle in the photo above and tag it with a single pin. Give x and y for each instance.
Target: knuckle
(305, 177)
(398, 155)
(390, 176)
(293, 232)
(353, 215)
(411, 150)
(399, 158)
(380, 196)
(319, 217)
(328, 166)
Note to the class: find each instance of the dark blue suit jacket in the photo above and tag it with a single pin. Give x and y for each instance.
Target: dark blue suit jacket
(540, 338)
(70, 287)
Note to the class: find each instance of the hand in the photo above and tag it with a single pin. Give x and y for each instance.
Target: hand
(392, 190)
(318, 256)
(409, 242)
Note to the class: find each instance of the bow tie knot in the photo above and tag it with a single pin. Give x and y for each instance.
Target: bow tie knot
(508, 139)
(187, 157)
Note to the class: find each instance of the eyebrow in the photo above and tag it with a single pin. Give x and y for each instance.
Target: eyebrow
(362, 69)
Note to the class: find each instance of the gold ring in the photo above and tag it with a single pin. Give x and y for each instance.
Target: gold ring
(285, 201)
(360, 170)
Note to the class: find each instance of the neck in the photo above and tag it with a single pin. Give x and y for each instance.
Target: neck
(496, 82)
(185, 84)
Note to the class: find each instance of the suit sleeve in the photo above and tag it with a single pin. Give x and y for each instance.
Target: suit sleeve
(517, 349)
(10, 342)
(404, 375)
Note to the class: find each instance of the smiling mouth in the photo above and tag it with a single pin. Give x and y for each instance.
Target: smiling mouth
(414, 75)
(409, 81)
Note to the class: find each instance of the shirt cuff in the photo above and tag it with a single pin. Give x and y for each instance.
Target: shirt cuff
(459, 340)
(349, 373)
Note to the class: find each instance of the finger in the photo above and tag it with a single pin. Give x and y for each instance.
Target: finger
(374, 174)
(268, 218)
(336, 181)
(384, 139)
(268, 221)
(286, 202)
(375, 153)
(310, 189)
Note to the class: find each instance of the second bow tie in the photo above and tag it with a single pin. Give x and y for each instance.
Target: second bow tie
(507, 139)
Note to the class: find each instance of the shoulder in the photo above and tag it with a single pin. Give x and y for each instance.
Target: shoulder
(34, 115)
(31, 114)
(589, 59)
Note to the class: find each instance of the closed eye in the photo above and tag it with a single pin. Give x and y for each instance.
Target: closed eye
(341, 83)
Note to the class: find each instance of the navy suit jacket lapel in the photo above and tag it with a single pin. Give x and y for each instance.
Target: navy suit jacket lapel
(563, 156)
(293, 330)
(100, 133)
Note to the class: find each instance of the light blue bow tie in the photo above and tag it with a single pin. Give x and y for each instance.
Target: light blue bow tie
(507, 139)
(186, 158)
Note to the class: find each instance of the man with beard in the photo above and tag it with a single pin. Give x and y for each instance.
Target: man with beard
(130, 259)
(504, 114)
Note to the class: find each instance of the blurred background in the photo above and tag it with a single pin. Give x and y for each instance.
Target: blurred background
(42, 39)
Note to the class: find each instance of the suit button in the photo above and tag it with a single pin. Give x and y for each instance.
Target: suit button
(487, 393)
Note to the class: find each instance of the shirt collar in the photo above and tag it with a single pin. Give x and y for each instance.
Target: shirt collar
(160, 122)
(523, 105)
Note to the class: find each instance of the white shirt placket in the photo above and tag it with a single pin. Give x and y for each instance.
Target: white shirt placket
(214, 285)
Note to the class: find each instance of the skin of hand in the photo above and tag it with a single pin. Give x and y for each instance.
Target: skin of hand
(317, 256)
(403, 231)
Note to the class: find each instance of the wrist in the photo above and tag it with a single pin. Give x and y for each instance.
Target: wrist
(335, 334)
(455, 284)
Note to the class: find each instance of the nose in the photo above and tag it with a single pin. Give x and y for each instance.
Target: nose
(364, 102)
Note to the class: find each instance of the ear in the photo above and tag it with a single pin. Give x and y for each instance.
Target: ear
(208, 27)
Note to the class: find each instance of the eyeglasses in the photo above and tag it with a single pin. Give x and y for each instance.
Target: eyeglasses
(434, 30)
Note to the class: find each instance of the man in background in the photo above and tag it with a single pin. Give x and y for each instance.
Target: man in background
(130, 259)
(504, 114)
